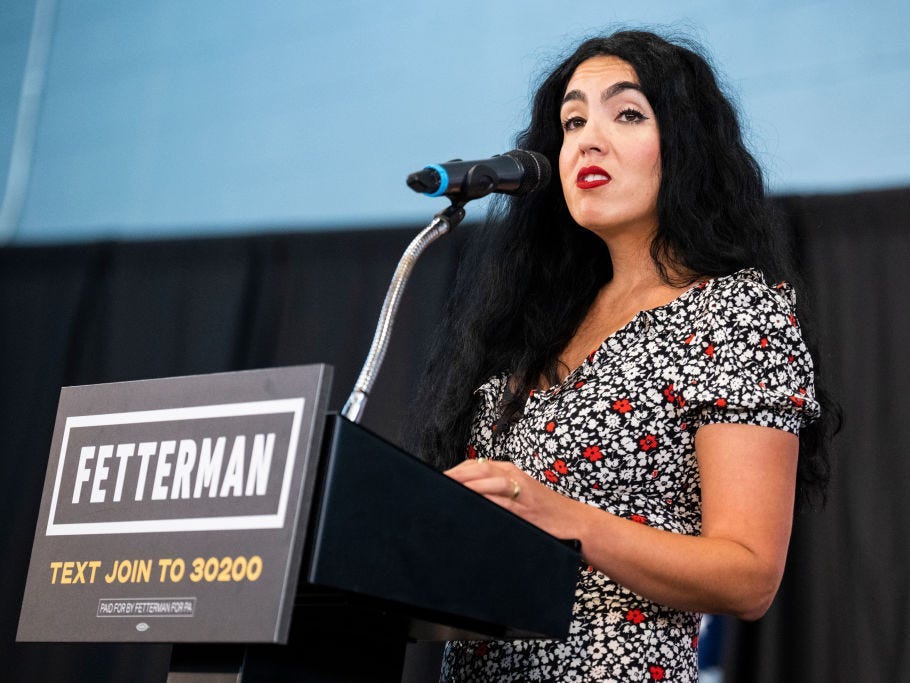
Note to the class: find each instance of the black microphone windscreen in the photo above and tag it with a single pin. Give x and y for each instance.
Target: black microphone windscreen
(537, 170)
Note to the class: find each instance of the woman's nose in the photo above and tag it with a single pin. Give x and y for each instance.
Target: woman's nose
(592, 140)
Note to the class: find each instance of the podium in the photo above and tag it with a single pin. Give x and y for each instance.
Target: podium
(228, 515)
(395, 551)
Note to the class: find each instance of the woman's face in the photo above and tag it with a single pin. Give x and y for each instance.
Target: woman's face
(609, 163)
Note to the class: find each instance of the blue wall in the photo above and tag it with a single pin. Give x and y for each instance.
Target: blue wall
(222, 115)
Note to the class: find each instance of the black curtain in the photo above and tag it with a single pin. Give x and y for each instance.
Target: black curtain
(104, 312)
(842, 612)
(107, 312)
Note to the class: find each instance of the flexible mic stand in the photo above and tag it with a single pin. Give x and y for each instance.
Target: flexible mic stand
(442, 223)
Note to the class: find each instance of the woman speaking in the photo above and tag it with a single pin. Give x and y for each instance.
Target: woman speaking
(616, 366)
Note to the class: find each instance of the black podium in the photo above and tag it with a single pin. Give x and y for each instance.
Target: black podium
(397, 551)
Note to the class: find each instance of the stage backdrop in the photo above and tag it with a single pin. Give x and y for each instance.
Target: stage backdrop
(118, 311)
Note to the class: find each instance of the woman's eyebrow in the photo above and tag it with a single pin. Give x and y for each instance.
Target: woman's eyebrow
(617, 88)
(610, 92)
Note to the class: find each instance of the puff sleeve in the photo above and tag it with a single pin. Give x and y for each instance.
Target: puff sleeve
(748, 362)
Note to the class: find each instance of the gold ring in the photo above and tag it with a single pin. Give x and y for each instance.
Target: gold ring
(516, 489)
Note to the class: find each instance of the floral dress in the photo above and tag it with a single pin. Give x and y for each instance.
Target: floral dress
(619, 434)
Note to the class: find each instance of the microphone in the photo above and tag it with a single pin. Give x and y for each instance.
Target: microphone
(517, 172)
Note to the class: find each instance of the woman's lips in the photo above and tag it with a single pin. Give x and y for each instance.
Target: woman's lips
(592, 176)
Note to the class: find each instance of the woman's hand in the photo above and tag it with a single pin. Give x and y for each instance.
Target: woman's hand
(509, 487)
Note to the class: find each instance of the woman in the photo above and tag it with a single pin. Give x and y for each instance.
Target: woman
(641, 388)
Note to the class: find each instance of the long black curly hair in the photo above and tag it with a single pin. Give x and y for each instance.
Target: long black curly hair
(523, 290)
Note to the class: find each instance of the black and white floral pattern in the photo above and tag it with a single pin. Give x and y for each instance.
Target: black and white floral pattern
(619, 434)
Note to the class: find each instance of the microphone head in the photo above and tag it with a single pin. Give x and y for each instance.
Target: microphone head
(536, 171)
(425, 181)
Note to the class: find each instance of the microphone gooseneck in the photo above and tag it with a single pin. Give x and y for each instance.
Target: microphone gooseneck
(442, 222)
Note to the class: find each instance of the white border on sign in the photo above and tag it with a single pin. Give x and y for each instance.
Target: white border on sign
(237, 522)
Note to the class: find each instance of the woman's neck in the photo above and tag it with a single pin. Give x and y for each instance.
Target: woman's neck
(634, 269)
(636, 285)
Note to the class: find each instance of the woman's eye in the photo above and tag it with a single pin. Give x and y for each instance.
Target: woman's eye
(631, 116)
(572, 123)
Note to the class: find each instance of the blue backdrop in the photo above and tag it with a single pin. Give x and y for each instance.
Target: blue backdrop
(231, 115)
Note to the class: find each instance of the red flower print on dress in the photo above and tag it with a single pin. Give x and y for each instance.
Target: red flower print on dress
(648, 442)
(792, 319)
(550, 426)
(721, 403)
(798, 400)
(579, 384)
(560, 466)
(657, 672)
(641, 519)
(622, 406)
(592, 453)
(710, 350)
(694, 642)
(472, 452)
(690, 338)
(764, 342)
(673, 396)
(481, 649)
(635, 616)
(550, 475)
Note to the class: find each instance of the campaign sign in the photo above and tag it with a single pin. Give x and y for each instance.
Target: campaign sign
(174, 509)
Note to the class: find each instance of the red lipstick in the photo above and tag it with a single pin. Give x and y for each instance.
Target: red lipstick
(592, 176)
